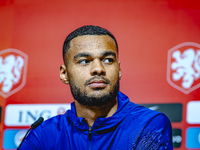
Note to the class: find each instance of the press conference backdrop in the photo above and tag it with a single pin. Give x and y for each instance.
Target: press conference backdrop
(159, 50)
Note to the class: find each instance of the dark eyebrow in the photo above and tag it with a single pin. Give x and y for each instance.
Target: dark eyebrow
(109, 53)
(89, 55)
(82, 55)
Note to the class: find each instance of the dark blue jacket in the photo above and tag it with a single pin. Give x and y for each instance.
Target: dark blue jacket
(131, 127)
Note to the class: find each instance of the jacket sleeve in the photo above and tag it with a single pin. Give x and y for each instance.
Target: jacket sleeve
(157, 134)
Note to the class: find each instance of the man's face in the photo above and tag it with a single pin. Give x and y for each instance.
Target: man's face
(93, 69)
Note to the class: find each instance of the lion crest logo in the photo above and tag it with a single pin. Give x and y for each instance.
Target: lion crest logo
(183, 70)
(13, 68)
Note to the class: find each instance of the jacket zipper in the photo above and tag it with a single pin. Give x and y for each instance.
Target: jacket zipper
(90, 137)
(90, 133)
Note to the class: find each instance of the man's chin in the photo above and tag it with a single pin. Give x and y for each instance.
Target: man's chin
(97, 94)
(97, 97)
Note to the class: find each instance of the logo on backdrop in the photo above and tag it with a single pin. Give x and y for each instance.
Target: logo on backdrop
(176, 138)
(193, 138)
(13, 68)
(13, 137)
(174, 116)
(192, 112)
(19, 137)
(183, 67)
(26, 114)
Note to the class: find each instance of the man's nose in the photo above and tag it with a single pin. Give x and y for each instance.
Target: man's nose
(97, 68)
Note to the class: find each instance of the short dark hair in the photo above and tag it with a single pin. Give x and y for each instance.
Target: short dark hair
(86, 30)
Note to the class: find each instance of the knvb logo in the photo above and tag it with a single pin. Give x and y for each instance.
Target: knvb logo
(13, 68)
(183, 67)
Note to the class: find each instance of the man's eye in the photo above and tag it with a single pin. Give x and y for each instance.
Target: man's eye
(83, 62)
(108, 60)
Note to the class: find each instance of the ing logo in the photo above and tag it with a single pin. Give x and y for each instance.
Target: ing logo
(183, 67)
(13, 68)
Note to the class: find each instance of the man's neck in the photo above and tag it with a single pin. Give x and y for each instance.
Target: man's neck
(91, 113)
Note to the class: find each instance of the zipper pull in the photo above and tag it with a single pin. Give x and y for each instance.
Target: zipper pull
(90, 133)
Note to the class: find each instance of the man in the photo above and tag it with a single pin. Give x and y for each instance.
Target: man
(101, 117)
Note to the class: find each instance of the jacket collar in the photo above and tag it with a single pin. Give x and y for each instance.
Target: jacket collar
(103, 124)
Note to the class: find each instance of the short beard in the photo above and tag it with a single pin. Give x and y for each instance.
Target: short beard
(86, 100)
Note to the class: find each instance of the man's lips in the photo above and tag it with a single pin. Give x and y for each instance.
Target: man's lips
(97, 83)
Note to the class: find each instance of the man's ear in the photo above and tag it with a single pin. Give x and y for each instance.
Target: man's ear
(120, 71)
(63, 74)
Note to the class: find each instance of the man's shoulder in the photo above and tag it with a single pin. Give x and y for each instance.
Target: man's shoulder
(47, 134)
(51, 126)
(137, 112)
(55, 122)
(141, 110)
(145, 114)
